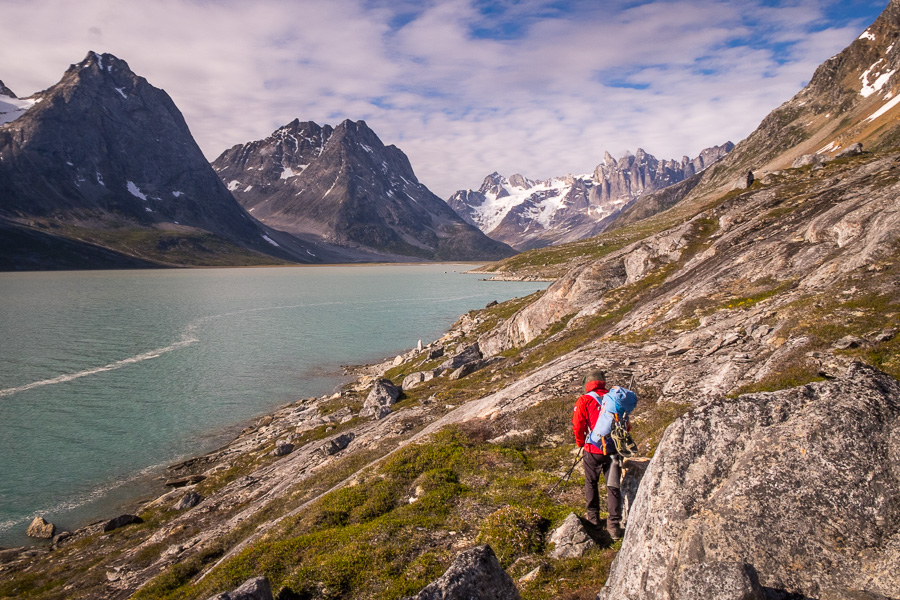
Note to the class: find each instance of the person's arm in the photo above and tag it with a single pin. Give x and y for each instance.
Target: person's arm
(579, 423)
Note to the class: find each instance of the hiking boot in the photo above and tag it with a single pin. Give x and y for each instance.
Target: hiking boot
(615, 532)
(593, 518)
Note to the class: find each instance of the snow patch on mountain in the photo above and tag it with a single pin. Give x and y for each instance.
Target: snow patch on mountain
(135, 191)
(11, 108)
(888, 106)
(881, 79)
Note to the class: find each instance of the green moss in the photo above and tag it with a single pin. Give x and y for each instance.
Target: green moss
(512, 532)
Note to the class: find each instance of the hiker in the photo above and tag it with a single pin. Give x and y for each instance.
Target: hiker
(599, 457)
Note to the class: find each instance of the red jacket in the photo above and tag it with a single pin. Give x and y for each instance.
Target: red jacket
(585, 416)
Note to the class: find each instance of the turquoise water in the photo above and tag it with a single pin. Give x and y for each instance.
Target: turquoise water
(108, 376)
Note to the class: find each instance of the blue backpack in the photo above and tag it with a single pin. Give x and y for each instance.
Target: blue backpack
(611, 425)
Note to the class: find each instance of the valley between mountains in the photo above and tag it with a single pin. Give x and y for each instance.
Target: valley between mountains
(758, 317)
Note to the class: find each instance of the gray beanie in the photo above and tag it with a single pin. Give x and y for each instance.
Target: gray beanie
(594, 375)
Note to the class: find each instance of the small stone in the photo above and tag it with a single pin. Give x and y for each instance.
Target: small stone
(847, 342)
(383, 394)
(570, 539)
(412, 380)
(121, 521)
(435, 353)
(40, 529)
(257, 588)
(61, 536)
(183, 481)
(339, 443)
(851, 150)
(189, 500)
(463, 371)
(531, 575)
(475, 573)
(886, 335)
(283, 449)
(467, 354)
(398, 360)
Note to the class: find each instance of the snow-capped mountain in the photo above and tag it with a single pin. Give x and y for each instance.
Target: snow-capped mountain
(342, 186)
(12, 107)
(104, 161)
(527, 213)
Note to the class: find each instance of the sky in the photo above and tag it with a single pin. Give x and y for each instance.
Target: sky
(463, 87)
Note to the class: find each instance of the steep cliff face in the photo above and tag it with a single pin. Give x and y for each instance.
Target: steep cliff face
(532, 214)
(345, 187)
(852, 97)
(103, 150)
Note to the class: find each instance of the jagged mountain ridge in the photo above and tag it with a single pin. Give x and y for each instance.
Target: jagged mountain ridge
(104, 157)
(851, 98)
(343, 185)
(530, 214)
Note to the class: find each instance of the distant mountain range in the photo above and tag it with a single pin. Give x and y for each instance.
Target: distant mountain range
(527, 213)
(101, 171)
(341, 185)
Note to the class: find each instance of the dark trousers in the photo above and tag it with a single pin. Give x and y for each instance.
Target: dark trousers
(594, 466)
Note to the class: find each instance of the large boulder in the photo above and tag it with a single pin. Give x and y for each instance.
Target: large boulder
(570, 539)
(801, 486)
(631, 481)
(467, 354)
(384, 394)
(414, 379)
(40, 529)
(475, 573)
(257, 588)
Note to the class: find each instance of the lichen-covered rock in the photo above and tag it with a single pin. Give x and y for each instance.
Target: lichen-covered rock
(631, 481)
(40, 529)
(257, 588)
(475, 573)
(570, 539)
(801, 485)
(383, 395)
(729, 580)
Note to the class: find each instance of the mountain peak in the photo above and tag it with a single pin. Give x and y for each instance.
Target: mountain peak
(343, 186)
(5, 91)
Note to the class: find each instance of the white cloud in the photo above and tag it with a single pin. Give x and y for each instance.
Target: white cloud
(545, 100)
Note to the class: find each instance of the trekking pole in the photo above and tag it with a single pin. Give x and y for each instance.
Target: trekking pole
(569, 472)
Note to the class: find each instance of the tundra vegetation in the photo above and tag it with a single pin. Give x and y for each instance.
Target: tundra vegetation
(384, 518)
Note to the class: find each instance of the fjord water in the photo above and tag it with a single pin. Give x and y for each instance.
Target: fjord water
(108, 376)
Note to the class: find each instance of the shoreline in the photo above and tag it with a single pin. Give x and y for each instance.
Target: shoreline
(126, 492)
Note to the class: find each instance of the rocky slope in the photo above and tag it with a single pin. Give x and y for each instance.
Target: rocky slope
(752, 323)
(532, 214)
(344, 187)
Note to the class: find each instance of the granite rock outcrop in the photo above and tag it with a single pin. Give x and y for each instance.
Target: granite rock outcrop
(801, 484)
